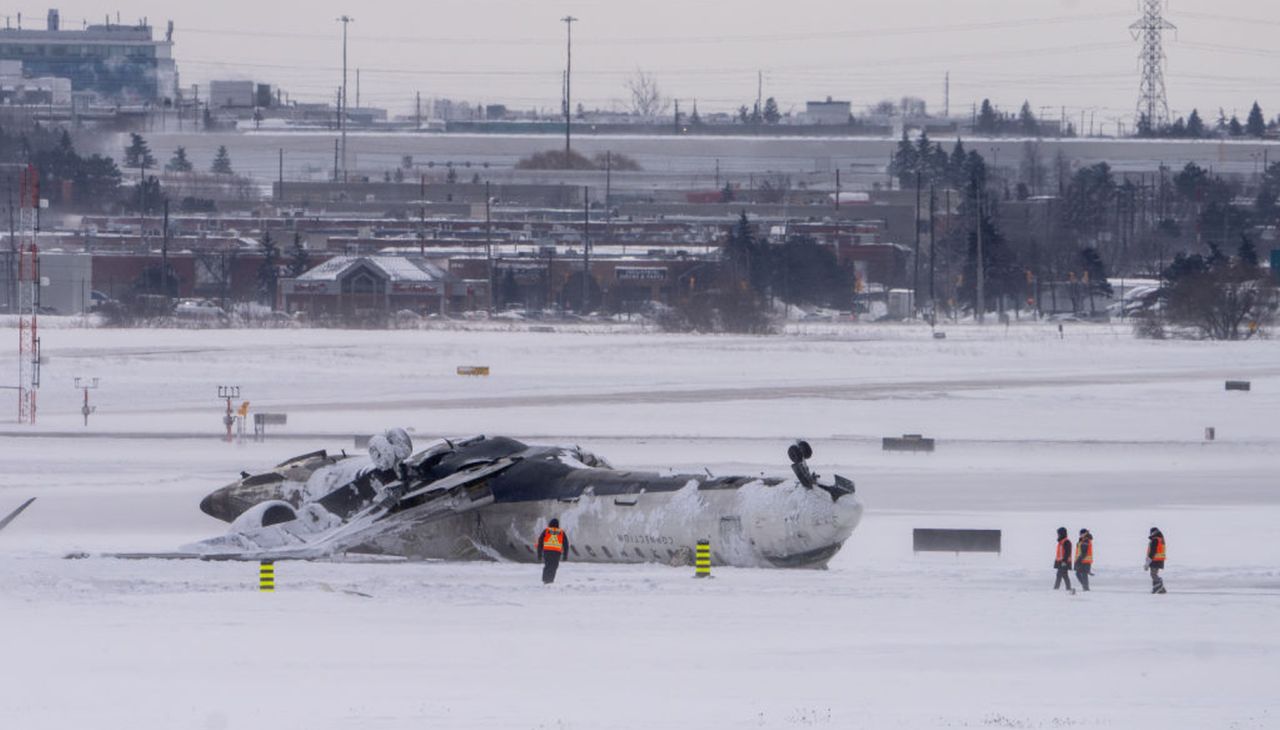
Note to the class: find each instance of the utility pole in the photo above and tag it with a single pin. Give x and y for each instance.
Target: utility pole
(915, 256)
(946, 96)
(759, 100)
(13, 254)
(164, 253)
(357, 88)
(568, 21)
(837, 188)
(342, 108)
(280, 185)
(488, 241)
(417, 114)
(933, 199)
(586, 247)
(980, 306)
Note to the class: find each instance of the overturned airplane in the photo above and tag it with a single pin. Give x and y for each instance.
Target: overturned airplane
(488, 498)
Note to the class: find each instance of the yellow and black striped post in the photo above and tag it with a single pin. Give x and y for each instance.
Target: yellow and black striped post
(702, 560)
(267, 576)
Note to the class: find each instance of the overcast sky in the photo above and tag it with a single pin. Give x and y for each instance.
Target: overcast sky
(1054, 53)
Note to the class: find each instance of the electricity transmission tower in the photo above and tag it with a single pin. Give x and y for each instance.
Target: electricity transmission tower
(1153, 106)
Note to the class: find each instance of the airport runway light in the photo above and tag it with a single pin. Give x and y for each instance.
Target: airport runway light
(86, 385)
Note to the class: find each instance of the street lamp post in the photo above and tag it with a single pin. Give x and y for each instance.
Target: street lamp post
(568, 21)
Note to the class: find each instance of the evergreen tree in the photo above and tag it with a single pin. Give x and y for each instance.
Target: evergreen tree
(1234, 127)
(771, 113)
(956, 165)
(988, 122)
(1221, 126)
(694, 119)
(299, 259)
(1027, 123)
(269, 270)
(1144, 126)
(1268, 200)
(747, 256)
(148, 196)
(805, 272)
(906, 161)
(1002, 276)
(221, 161)
(744, 114)
(1247, 254)
(509, 291)
(1256, 126)
(138, 154)
(1191, 182)
(179, 161)
(1090, 196)
(1195, 125)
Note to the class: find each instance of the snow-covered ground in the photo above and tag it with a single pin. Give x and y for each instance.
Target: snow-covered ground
(1094, 430)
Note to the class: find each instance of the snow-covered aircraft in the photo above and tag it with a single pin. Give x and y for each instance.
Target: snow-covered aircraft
(488, 498)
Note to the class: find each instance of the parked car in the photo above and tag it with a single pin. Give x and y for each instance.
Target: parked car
(199, 309)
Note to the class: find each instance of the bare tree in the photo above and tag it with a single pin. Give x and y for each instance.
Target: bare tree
(646, 98)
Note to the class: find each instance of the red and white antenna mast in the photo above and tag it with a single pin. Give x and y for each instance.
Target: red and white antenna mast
(28, 297)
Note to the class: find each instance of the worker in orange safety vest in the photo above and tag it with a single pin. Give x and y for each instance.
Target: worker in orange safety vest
(553, 546)
(1155, 559)
(1084, 557)
(1062, 561)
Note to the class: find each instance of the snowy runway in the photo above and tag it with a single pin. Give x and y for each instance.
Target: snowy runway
(1098, 430)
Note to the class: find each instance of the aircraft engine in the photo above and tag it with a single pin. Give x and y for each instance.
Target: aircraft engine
(400, 442)
(264, 514)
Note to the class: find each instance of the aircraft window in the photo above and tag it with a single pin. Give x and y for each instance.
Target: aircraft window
(607, 554)
(591, 551)
(671, 554)
(657, 555)
(526, 547)
(573, 549)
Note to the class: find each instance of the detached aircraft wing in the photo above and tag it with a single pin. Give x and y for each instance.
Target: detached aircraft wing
(397, 509)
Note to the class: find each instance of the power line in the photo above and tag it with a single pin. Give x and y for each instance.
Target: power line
(607, 41)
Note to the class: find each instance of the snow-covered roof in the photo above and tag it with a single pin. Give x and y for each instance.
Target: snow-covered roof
(396, 268)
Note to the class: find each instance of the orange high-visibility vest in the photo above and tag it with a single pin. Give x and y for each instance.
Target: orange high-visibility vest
(1084, 552)
(1062, 551)
(1159, 549)
(551, 540)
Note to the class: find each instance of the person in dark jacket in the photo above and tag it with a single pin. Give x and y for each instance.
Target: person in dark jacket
(1084, 558)
(553, 546)
(1062, 561)
(1155, 559)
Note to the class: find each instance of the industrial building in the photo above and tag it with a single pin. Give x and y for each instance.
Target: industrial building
(116, 62)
